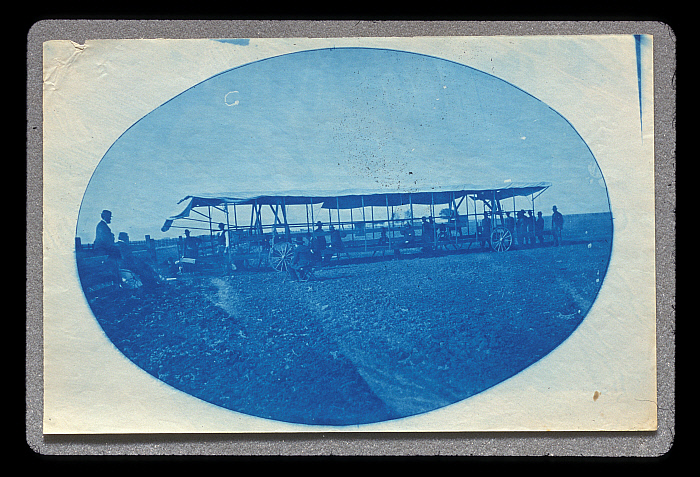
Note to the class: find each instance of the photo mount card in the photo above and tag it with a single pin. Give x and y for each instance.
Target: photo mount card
(291, 235)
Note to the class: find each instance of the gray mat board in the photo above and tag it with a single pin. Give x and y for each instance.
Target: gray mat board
(645, 444)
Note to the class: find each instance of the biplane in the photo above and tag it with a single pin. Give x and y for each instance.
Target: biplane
(261, 229)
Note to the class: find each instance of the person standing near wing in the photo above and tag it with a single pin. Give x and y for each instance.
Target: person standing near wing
(557, 225)
(539, 228)
(318, 245)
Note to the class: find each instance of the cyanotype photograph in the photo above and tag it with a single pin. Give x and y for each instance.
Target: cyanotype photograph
(375, 234)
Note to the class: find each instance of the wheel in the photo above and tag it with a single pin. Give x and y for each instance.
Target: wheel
(501, 239)
(281, 256)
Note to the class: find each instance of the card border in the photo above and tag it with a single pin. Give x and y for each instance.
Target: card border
(646, 444)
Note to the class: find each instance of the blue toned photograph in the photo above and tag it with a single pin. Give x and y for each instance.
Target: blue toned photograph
(344, 236)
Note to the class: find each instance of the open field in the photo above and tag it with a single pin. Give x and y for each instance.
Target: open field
(364, 342)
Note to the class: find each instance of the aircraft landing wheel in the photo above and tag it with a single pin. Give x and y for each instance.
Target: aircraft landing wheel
(281, 256)
(501, 239)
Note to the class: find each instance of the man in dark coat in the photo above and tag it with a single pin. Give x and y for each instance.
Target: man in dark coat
(190, 251)
(337, 245)
(319, 241)
(539, 228)
(557, 225)
(302, 260)
(104, 238)
(530, 227)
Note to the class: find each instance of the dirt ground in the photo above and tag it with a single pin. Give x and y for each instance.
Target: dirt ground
(364, 342)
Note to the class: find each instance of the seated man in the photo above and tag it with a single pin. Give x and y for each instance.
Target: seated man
(443, 233)
(428, 230)
(408, 233)
(128, 262)
(383, 239)
(190, 251)
(302, 260)
(337, 245)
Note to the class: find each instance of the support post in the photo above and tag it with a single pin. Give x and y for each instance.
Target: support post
(337, 205)
(228, 237)
(287, 231)
(432, 218)
(211, 231)
(313, 224)
(151, 247)
(364, 221)
(388, 221)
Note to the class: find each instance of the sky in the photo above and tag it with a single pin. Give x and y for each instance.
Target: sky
(335, 119)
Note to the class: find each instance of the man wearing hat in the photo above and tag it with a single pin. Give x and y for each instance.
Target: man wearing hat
(302, 260)
(318, 245)
(557, 225)
(104, 238)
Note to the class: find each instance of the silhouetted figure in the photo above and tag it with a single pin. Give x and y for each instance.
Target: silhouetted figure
(190, 251)
(486, 230)
(427, 231)
(319, 244)
(458, 224)
(337, 245)
(520, 228)
(539, 228)
(530, 227)
(220, 240)
(510, 223)
(104, 238)
(302, 261)
(383, 239)
(557, 225)
(129, 263)
(221, 244)
(408, 233)
(443, 233)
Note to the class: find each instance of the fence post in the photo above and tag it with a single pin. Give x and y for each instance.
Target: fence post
(151, 247)
(78, 245)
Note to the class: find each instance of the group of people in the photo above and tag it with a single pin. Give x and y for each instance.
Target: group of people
(526, 229)
(322, 248)
(133, 272)
(309, 251)
(121, 258)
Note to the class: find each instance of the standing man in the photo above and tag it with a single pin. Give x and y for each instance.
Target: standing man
(222, 245)
(221, 240)
(486, 230)
(318, 246)
(557, 225)
(510, 223)
(521, 227)
(539, 228)
(530, 227)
